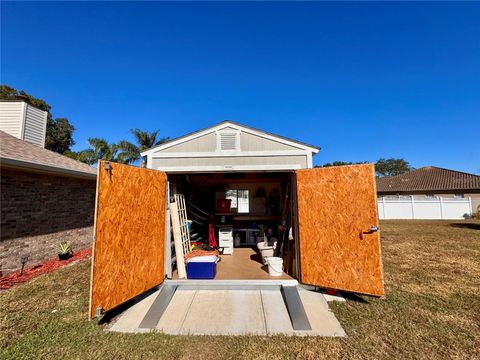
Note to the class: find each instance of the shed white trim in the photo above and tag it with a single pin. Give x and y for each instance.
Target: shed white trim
(228, 124)
(222, 168)
(228, 154)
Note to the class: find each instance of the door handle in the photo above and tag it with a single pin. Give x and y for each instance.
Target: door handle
(372, 230)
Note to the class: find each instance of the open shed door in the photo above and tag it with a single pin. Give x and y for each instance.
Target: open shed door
(337, 216)
(128, 248)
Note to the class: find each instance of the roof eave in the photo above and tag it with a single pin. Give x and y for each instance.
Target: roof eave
(213, 128)
(19, 164)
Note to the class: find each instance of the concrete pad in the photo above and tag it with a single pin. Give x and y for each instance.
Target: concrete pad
(232, 312)
(131, 319)
(322, 320)
(337, 297)
(225, 312)
(172, 319)
(277, 320)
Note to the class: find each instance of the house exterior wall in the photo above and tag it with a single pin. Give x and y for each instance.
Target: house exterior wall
(206, 143)
(38, 211)
(11, 117)
(250, 142)
(35, 126)
(229, 162)
(40, 248)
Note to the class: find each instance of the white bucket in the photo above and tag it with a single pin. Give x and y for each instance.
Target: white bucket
(275, 266)
(265, 250)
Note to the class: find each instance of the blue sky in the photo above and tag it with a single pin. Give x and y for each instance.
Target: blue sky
(360, 80)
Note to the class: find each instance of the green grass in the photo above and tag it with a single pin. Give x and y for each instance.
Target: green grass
(432, 307)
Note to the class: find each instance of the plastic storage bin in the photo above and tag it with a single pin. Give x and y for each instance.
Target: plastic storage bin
(202, 267)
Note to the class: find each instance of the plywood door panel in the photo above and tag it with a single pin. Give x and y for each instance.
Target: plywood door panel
(336, 208)
(128, 250)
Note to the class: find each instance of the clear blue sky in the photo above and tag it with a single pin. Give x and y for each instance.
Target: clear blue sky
(360, 80)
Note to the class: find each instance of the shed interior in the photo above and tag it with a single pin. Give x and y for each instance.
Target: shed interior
(239, 210)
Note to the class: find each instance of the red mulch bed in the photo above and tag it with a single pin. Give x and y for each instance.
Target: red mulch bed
(10, 280)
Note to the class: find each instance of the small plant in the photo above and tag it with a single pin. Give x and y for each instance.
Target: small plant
(65, 251)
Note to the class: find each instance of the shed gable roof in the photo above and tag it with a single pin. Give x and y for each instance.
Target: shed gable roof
(227, 124)
(429, 178)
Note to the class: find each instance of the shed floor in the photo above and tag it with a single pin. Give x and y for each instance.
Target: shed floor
(243, 264)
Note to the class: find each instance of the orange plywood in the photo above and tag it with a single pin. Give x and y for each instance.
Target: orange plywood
(128, 250)
(336, 208)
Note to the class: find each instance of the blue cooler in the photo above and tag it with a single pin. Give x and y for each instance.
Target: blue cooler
(202, 267)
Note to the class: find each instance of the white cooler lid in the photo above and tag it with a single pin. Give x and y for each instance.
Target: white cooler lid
(206, 258)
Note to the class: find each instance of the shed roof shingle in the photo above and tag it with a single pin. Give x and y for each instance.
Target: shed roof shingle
(429, 178)
(22, 152)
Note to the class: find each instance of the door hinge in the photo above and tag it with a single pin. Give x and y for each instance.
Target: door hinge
(98, 312)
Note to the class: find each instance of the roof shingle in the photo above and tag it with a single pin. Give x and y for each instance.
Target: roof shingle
(22, 152)
(429, 178)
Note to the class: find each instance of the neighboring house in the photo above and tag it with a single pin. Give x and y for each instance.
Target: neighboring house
(23, 120)
(429, 188)
(46, 199)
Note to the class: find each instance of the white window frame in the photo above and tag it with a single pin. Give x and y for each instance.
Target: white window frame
(237, 202)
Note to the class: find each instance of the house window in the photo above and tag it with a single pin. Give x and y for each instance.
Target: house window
(239, 199)
(228, 141)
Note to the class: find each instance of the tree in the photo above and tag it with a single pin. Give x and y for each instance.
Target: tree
(86, 156)
(391, 167)
(122, 152)
(59, 134)
(146, 140)
(129, 153)
(10, 93)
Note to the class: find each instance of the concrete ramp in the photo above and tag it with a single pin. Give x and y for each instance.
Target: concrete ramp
(258, 310)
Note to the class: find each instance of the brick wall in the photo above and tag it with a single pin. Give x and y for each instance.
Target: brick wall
(40, 248)
(38, 211)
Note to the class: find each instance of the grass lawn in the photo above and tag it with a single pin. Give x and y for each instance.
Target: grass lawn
(432, 310)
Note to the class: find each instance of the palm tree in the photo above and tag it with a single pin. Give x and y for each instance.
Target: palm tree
(129, 152)
(102, 150)
(99, 149)
(123, 152)
(146, 140)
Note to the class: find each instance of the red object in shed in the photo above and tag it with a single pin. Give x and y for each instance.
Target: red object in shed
(224, 205)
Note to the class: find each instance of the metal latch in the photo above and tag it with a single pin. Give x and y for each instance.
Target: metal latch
(372, 230)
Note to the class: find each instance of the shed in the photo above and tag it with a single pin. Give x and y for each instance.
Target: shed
(240, 186)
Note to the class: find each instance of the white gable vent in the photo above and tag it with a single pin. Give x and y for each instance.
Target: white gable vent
(228, 141)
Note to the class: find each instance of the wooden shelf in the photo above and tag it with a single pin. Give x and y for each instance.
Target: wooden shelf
(256, 217)
(225, 214)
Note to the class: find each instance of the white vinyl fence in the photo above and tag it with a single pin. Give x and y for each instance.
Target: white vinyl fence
(435, 208)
